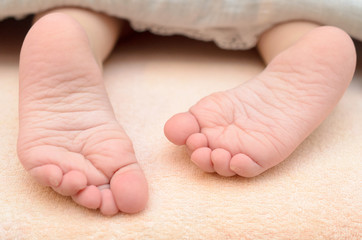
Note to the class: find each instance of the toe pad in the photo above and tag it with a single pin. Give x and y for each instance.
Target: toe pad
(180, 127)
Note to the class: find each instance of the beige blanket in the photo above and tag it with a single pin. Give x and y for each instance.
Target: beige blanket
(314, 194)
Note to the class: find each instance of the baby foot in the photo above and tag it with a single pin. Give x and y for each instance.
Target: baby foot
(68, 137)
(253, 127)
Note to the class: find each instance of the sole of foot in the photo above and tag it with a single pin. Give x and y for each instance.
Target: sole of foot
(69, 138)
(255, 126)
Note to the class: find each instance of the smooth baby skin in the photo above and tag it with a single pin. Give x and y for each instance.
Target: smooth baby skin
(68, 137)
(253, 127)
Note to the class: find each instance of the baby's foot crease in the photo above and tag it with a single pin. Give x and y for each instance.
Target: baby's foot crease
(69, 138)
(253, 127)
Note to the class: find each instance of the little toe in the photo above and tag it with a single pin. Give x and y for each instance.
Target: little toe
(108, 205)
(130, 189)
(47, 175)
(202, 158)
(221, 161)
(180, 127)
(90, 197)
(72, 182)
(244, 166)
(195, 141)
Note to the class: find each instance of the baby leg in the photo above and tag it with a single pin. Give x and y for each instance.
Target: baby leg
(253, 127)
(69, 138)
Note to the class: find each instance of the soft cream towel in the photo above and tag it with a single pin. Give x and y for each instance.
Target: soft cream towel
(314, 194)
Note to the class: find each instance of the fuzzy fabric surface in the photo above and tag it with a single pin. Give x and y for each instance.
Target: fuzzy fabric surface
(231, 24)
(314, 194)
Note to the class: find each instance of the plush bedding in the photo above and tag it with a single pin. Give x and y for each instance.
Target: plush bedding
(231, 24)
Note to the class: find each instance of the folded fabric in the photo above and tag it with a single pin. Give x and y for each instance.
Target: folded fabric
(231, 24)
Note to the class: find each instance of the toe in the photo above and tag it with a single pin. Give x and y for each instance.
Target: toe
(244, 166)
(221, 161)
(196, 140)
(130, 189)
(180, 127)
(108, 205)
(72, 182)
(47, 175)
(202, 158)
(90, 197)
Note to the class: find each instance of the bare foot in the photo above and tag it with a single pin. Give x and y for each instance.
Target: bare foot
(253, 127)
(69, 138)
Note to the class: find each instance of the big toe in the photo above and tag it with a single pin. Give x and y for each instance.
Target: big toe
(130, 189)
(180, 127)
